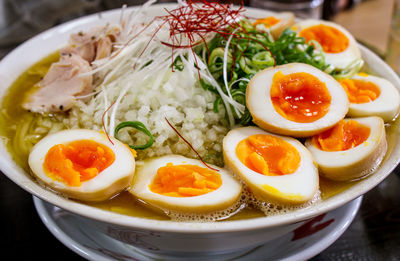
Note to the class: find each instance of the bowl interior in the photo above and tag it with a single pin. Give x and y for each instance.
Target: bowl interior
(45, 43)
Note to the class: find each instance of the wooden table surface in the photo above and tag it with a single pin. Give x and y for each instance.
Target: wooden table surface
(369, 22)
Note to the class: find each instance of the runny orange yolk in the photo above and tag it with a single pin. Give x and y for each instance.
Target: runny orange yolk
(360, 91)
(185, 181)
(77, 161)
(267, 21)
(268, 155)
(331, 39)
(299, 97)
(343, 136)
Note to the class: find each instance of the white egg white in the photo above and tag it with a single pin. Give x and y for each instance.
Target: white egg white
(286, 20)
(106, 184)
(386, 105)
(339, 60)
(259, 103)
(295, 188)
(222, 198)
(355, 162)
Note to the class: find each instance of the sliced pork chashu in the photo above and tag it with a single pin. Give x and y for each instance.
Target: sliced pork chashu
(59, 88)
(63, 83)
(95, 44)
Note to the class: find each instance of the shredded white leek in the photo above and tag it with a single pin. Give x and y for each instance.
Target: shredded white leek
(106, 105)
(238, 111)
(142, 61)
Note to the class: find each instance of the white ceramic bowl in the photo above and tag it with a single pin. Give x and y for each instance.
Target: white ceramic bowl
(169, 237)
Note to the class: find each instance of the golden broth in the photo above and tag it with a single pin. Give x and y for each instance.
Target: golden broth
(15, 122)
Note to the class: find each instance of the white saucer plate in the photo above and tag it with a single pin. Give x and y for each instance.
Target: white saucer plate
(311, 238)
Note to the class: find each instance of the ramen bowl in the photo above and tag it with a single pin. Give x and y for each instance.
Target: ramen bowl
(171, 237)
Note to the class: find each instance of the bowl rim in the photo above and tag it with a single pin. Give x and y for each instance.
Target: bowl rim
(25, 181)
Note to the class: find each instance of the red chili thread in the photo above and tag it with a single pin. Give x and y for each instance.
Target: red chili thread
(197, 19)
(102, 122)
(190, 145)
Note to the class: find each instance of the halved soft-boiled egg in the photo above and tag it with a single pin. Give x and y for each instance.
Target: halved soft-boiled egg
(276, 168)
(351, 149)
(338, 44)
(276, 23)
(371, 96)
(295, 99)
(83, 164)
(180, 184)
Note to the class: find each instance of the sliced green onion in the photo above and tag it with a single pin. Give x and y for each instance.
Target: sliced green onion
(252, 50)
(216, 60)
(217, 102)
(262, 59)
(208, 87)
(139, 126)
(246, 118)
(352, 69)
(178, 64)
(247, 66)
(239, 96)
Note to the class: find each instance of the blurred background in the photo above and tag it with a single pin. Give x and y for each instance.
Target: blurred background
(375, 233)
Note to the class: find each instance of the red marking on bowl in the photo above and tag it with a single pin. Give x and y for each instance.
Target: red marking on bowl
(311, 227)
